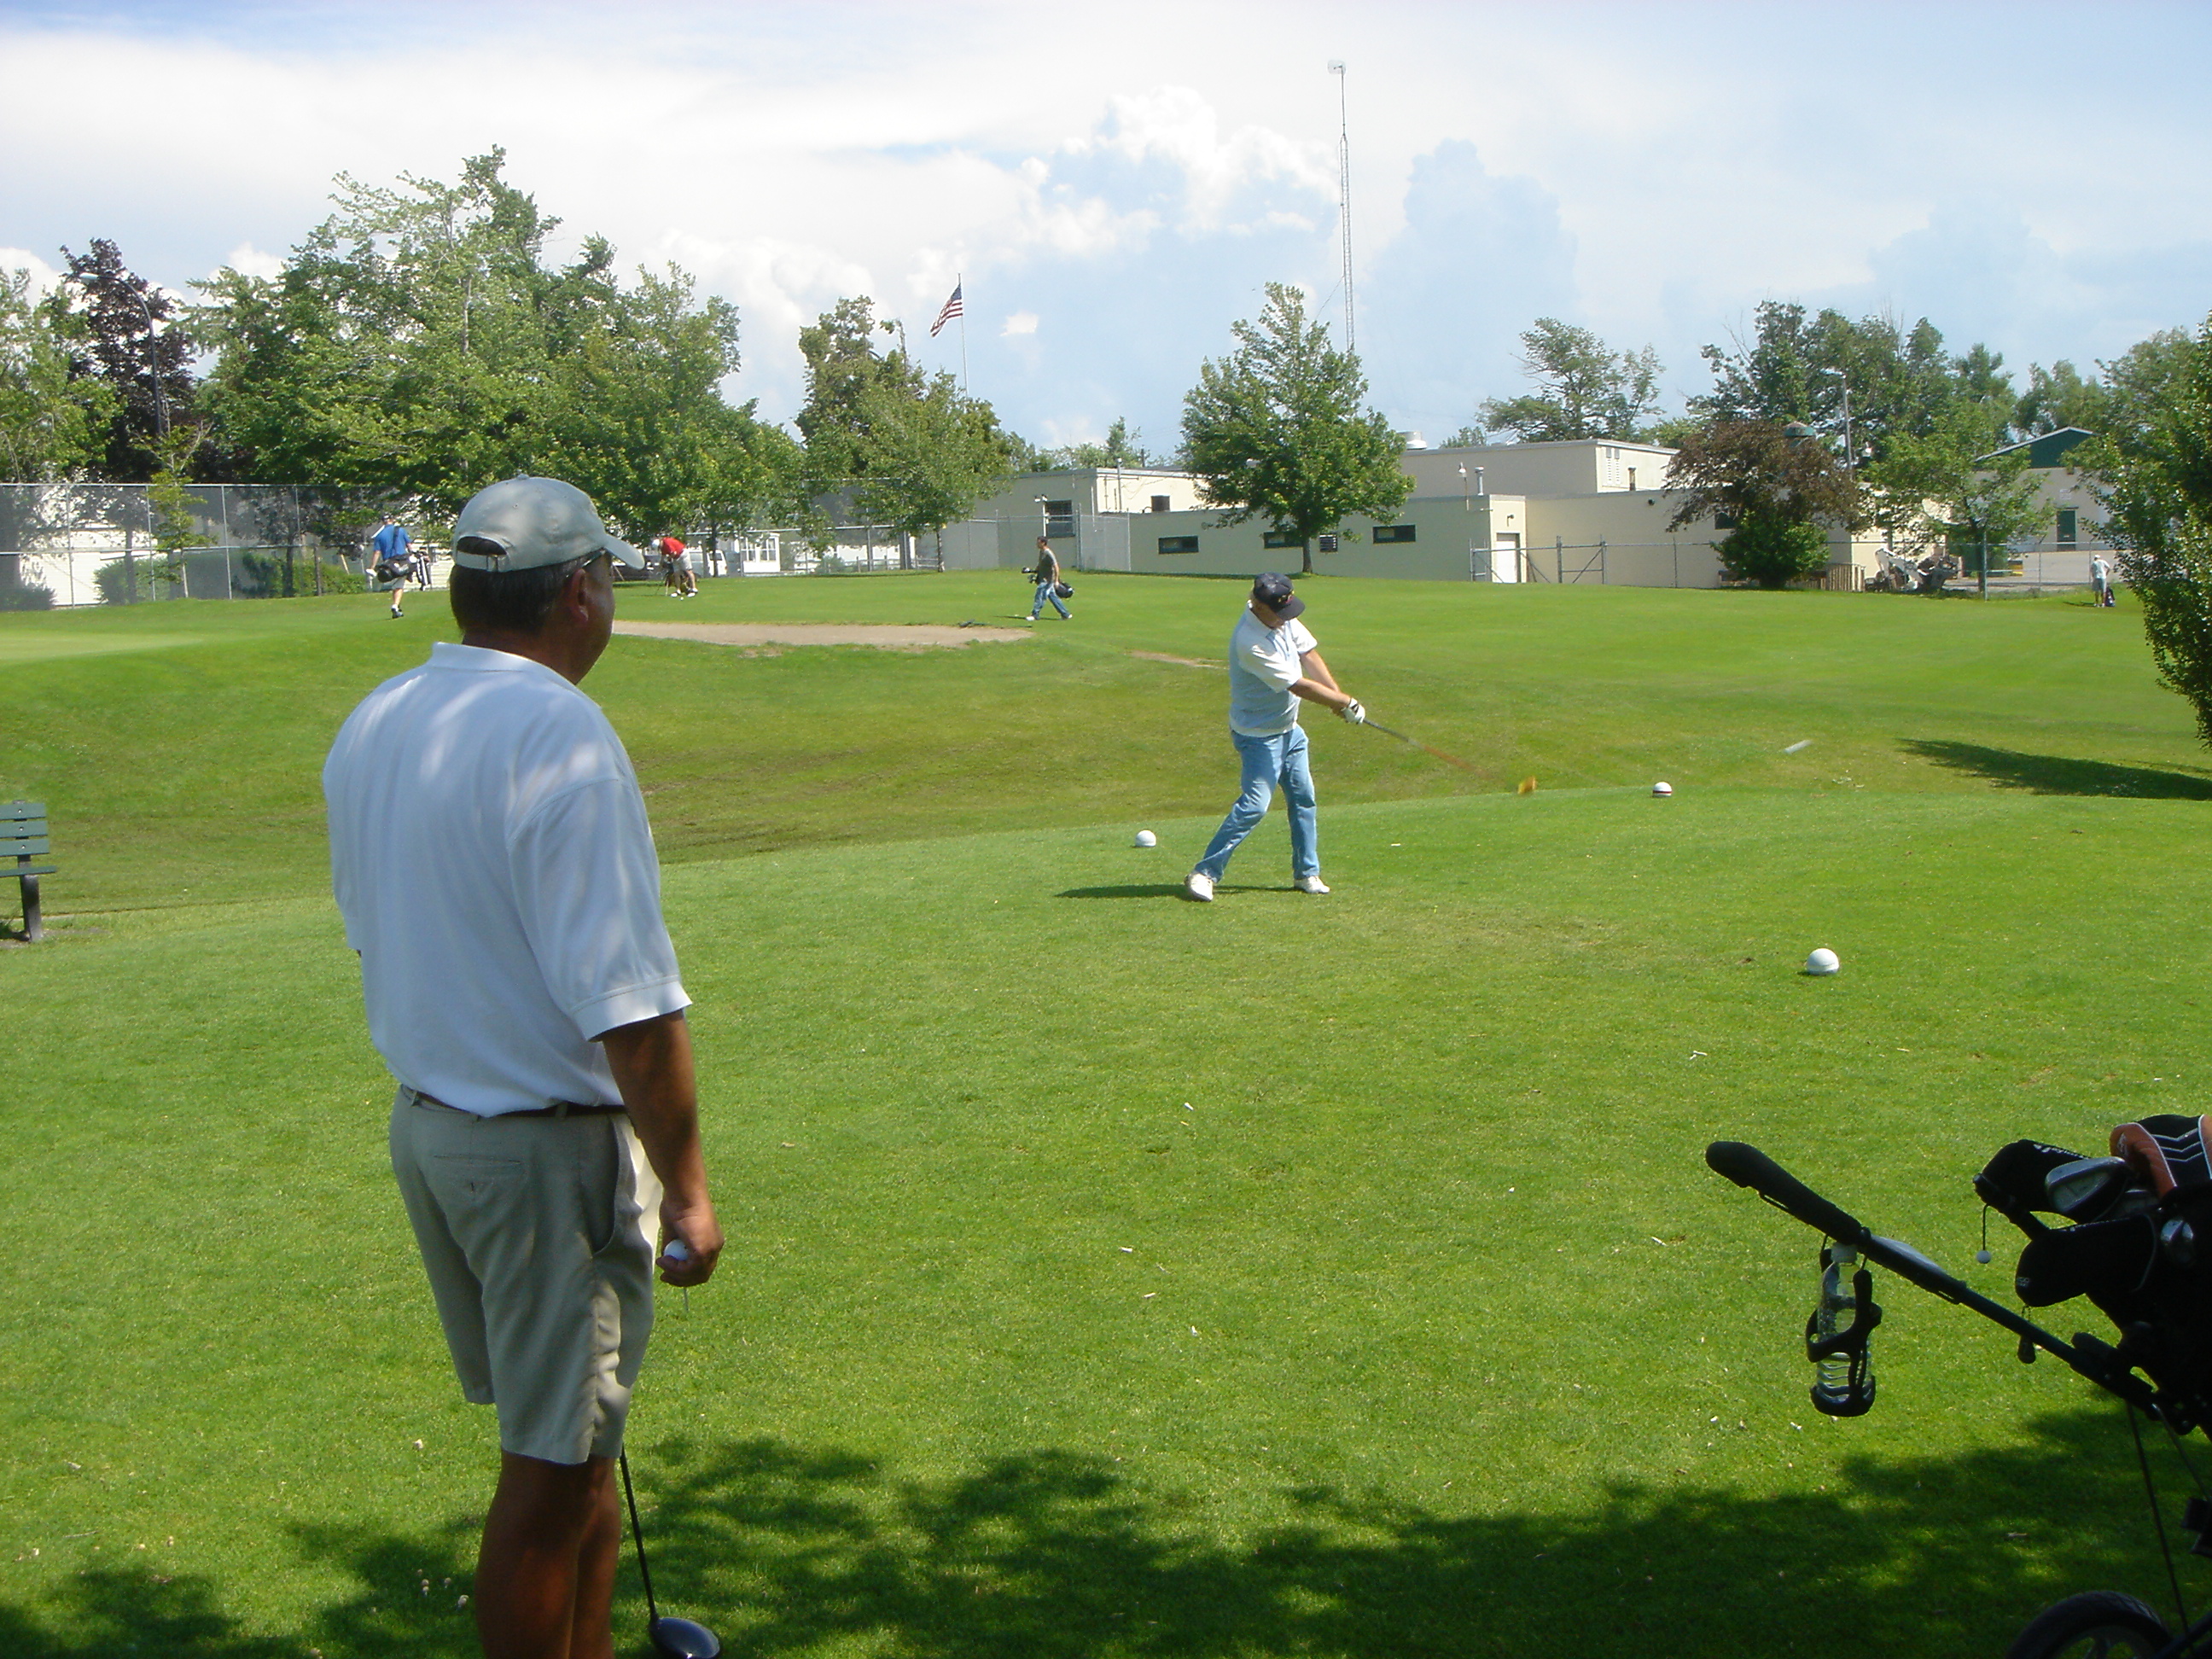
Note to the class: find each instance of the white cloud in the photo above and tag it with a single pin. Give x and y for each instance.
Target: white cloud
(1650, 173)
(250, 261)
(43, 275)
(1022, 322)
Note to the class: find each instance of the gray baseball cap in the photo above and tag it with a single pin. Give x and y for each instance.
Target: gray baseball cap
(536, 521)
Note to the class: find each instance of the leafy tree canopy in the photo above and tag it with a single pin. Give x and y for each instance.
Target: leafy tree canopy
(1584, 389)
(1945, 484)
(1795, 366)
(1275, 430)
(129, 337)
(1777, 485)
(52, 422)
(1122, 447)
(417, 344)
(906, 447)
(2156, 462)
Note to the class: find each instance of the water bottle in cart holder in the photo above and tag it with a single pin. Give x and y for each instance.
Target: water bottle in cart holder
(1836, 1335)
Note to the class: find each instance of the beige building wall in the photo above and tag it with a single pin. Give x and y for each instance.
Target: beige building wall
(1581, 467)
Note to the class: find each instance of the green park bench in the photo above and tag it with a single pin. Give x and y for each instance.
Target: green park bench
(23, 833)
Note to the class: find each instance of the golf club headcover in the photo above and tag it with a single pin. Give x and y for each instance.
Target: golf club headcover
(2107, 1258)
(2017, 1174)
(2167, 1151)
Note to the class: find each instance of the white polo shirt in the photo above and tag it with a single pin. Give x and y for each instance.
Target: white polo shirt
(1263, 666)
(490, 855)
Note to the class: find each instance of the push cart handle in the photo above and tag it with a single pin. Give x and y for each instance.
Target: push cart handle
(1747, 1166)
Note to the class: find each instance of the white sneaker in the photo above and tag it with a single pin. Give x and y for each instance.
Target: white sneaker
(1311, 884)
(1198, 886)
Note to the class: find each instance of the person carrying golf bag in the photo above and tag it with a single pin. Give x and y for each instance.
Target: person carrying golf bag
(1274, 664)
(520, 985)
(1049, 584)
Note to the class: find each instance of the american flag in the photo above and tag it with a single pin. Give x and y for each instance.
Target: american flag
(952, 309)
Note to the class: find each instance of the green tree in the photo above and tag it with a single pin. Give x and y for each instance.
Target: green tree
(1795, 366)
(906, 447)
(1123, 447)
(1584, 388)
(417, 346)
(51, 424)
(128, 337)
(2057, 398)
(1275, 430)
(1945, 484)
(1779, 487)
(2156, 467)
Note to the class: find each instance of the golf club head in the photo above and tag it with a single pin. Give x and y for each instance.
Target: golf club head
(683, 1638)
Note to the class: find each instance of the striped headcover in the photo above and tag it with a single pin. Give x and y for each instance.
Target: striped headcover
(2168, 1151)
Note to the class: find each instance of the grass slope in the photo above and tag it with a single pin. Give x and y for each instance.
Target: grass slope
(1115, 1275)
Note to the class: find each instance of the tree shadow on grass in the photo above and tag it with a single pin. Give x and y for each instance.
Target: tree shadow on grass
(2058, 775)
(1060, 1554)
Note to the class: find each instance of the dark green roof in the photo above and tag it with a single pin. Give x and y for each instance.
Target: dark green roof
(2045, 450)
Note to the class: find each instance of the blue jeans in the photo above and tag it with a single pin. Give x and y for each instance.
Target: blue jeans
(1266, 762)
(1044, 592)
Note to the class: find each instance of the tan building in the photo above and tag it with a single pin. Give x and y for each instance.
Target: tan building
(1591, 512)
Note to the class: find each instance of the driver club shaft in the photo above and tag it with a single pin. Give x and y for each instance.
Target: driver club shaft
(637, 1533)
(1449, 760)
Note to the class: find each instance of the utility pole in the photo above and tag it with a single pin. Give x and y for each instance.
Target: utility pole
(1343, 195)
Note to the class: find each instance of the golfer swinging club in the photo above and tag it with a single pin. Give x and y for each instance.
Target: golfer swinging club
(1272, 663)
(521, 987)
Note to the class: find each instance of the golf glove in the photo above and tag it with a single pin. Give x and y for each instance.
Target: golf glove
(1352, 714)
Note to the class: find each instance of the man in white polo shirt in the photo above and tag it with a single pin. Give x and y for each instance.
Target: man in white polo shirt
(1273, 662)
(522, 988)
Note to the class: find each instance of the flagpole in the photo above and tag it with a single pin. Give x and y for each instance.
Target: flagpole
(960, 287)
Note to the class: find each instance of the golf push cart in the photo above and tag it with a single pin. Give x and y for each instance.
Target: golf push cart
(2132, 1232)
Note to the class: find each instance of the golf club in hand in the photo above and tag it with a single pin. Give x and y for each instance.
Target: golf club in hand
(677, 1638)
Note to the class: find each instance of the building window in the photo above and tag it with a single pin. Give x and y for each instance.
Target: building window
(1324, 544)
(1724, 520)
(1060, 518)
(1394, 532)
(1280, 538)
(1159, 504)
(2069, 525)
(1178, 543)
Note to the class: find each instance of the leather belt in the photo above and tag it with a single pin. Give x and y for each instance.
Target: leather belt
(558, 1108)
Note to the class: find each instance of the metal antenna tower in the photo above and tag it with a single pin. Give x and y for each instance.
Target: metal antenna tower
(1343, 195)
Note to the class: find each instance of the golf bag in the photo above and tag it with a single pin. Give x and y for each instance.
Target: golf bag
(2131, 1245)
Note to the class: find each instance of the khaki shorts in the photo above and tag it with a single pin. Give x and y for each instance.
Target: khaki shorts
(533, 1232)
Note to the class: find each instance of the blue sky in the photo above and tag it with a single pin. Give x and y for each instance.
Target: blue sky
(1116, 183)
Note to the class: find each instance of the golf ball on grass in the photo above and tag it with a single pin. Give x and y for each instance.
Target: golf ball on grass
(1822, 960)
(1146, 838)
(1662, 790)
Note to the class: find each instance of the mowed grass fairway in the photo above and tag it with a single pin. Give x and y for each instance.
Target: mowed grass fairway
(1109, 1274)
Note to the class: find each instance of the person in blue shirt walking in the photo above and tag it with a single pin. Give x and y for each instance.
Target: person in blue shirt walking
(1274, 664)
(393, 562)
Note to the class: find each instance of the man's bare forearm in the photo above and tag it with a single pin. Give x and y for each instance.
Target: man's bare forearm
(652, 1063)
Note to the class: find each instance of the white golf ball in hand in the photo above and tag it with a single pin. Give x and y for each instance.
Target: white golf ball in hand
(676, 1250)
(1822, 960)
(1146, 838)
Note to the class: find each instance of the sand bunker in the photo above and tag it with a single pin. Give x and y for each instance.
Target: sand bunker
(883, 637)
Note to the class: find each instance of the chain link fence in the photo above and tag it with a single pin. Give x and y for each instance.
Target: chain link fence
(109, 544)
